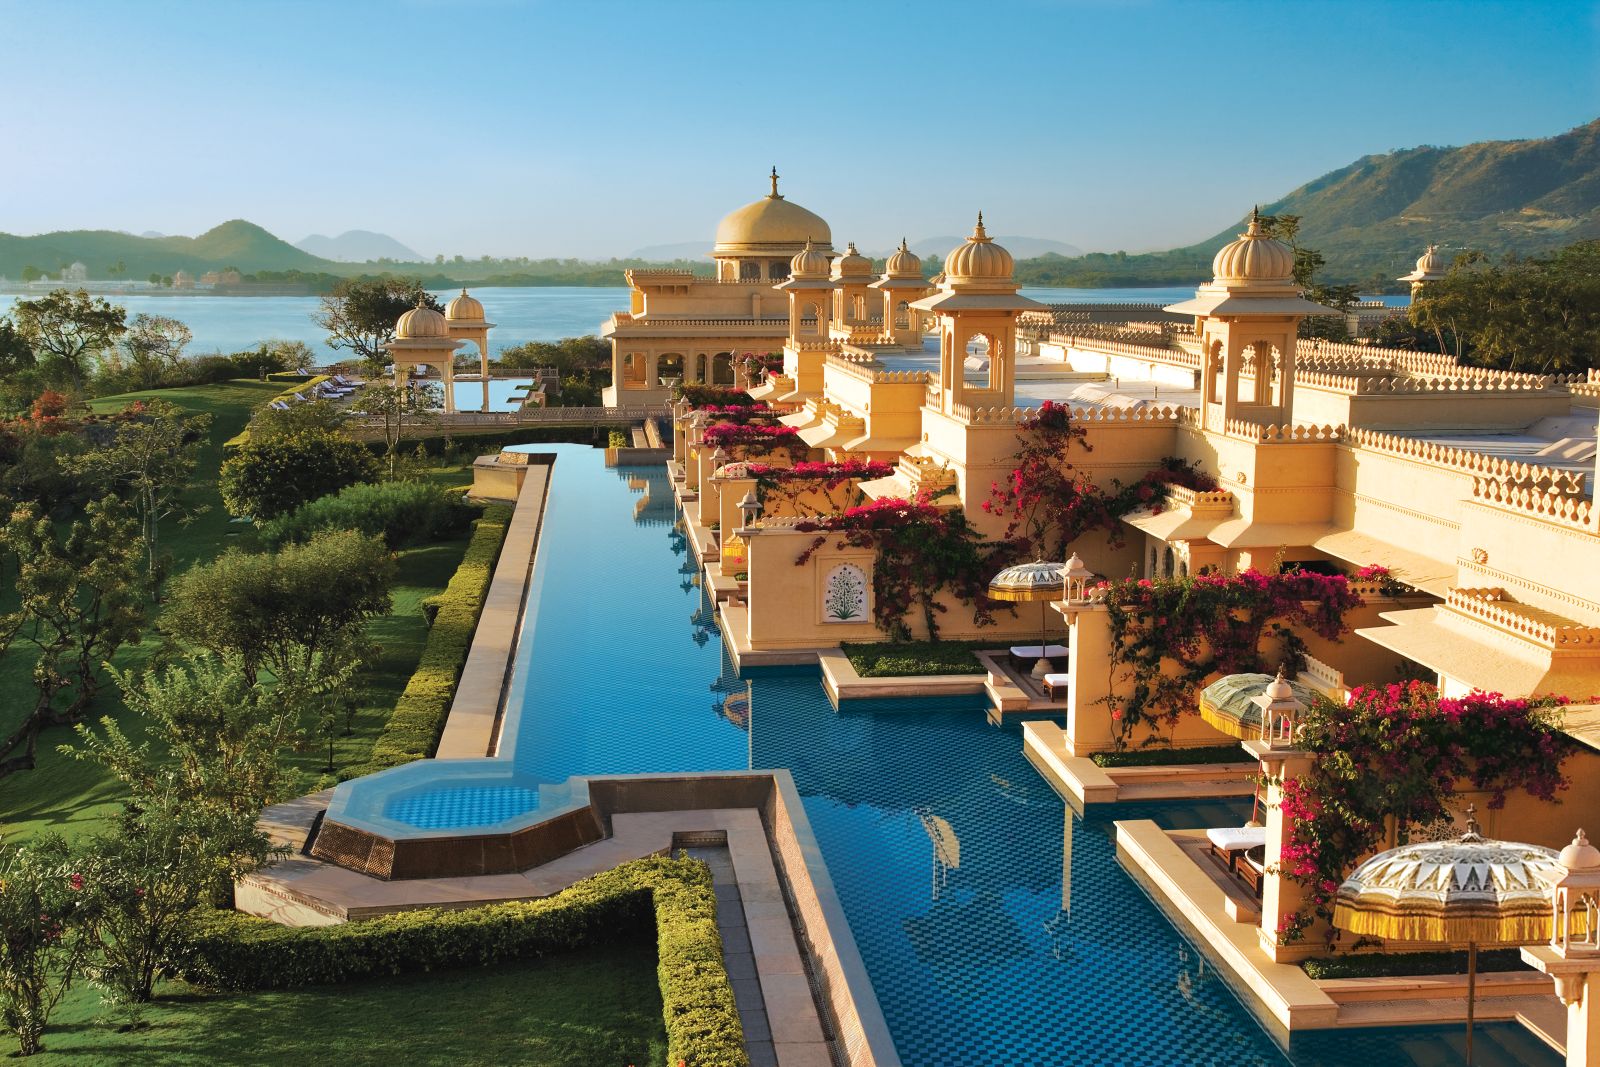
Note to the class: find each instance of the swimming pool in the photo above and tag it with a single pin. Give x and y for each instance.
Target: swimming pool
(505, 394)
(996, 924)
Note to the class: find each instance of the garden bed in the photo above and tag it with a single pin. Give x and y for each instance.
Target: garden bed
(1162, 757)
(887, 659)
(1406, 964)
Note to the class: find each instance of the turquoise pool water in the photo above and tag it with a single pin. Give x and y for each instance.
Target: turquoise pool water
(505, 394)
(1025, 942)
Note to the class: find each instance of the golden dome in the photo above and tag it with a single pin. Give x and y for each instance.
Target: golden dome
(421, 322)
(771, 225)
(852, 264)
(1254, 257)
(904, 263)
(978, 260)
(463, 308)
(809, 263)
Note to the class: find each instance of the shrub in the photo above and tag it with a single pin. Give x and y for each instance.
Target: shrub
(234, 951)
(403, 513)
(412, 732)
(1388, 964)
(889, 659)
(619, 439)
(1161, 756)
(271, 477)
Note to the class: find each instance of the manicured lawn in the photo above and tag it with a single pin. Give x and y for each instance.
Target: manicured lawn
(591, 1009)
(75, 798)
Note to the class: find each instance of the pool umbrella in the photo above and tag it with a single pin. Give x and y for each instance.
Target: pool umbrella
(1229, 703)
(1471, 889)
(1039, 581)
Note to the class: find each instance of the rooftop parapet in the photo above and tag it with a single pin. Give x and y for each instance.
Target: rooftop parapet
(1493, 606)
(1464, 460)
(1563, 508)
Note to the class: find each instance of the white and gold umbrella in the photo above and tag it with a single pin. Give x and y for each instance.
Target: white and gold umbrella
(1038, 581)
(1471, 889)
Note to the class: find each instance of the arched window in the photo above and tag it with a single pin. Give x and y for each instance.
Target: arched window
(902, 315)
(749, 270)
(978, 362)
(810, 321)
(778, 269)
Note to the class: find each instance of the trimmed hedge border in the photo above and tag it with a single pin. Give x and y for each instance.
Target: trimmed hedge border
(413, 730)
(305, 383)
(674, 896)
(1407, 964)
(1159, 756)
(890, 659)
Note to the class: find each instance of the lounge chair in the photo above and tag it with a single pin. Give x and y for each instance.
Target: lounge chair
(1031, 652)
(278, 405)
(1253, 869)
(1228, 843)
(1053, 682)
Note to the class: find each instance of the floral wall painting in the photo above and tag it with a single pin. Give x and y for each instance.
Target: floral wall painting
(844, 594)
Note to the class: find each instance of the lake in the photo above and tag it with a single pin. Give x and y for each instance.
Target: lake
(234, 323)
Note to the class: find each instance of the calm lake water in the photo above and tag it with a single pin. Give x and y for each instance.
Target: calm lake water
(234, 323)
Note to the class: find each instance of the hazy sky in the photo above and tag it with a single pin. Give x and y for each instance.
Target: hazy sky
(585, 128)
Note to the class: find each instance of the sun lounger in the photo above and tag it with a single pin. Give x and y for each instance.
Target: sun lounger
(1032, 651)
(278, 405)
(1228, 843)
(1053, 682)
(1252, 869)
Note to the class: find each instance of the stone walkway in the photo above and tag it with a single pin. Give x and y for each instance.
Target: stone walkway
(738, 956)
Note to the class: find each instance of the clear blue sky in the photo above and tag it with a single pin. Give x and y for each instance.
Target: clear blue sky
(589, 128)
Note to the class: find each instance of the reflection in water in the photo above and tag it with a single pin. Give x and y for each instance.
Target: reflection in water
(946, 848)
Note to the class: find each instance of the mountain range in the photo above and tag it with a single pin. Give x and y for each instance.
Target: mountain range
(1370, 220)
(357, 246)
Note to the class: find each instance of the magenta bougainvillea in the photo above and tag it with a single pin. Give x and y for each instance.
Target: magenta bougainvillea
(1396, 755)
(920, 550)
(750, 438)
(700, 396)
(1169, 636)
(1049, 503)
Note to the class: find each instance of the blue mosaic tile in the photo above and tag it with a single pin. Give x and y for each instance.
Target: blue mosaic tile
(476, 805)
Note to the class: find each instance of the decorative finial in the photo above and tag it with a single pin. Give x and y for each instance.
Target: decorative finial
(1255, 221)
(463, 290)
(422, 300)
(774, 195)
(1472, 822)
(978, 233)
(903, 247)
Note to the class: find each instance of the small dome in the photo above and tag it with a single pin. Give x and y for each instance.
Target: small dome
(904, 263)
(1254, 257)
(1279, 690)
(464, 308)
(771, 224)
(1431, 262)
(809, 263)
(1580, 855)
(979, 259)
(852, 264)
(420, 322)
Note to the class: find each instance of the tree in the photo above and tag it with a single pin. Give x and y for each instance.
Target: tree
(30, 273)
(47, 927)
(1307, 263)
(268, 477)
(397, 410)
(149, 462)
(283, 610)
(154, 345)
(360, 314)
(209, 759)
(19, 375)
(574, 357)
(1539, 315)
(67, 327)
(79, 602)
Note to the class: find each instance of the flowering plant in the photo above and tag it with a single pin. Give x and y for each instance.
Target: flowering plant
(921, 550)
(789, 483)
(1209, 624)
(1395, 756)
(700, 396)
(1050, 503)
(749, 437)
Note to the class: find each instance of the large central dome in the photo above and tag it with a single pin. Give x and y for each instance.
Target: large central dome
(771, 226)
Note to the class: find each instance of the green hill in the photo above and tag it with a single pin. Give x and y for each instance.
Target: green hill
(1372, 218)
(236, 243)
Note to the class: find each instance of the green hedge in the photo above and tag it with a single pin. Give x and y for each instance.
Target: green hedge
(305, 383)
(412, 732)
(1404, 964)
(884, 659)
(403, 513)
(672, 897)
(1157, 756)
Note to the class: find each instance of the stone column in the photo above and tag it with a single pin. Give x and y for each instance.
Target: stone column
(1088, 727)
(1281, 896)
(450, 383)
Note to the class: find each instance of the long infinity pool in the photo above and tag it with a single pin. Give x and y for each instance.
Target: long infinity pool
(1018, 940)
